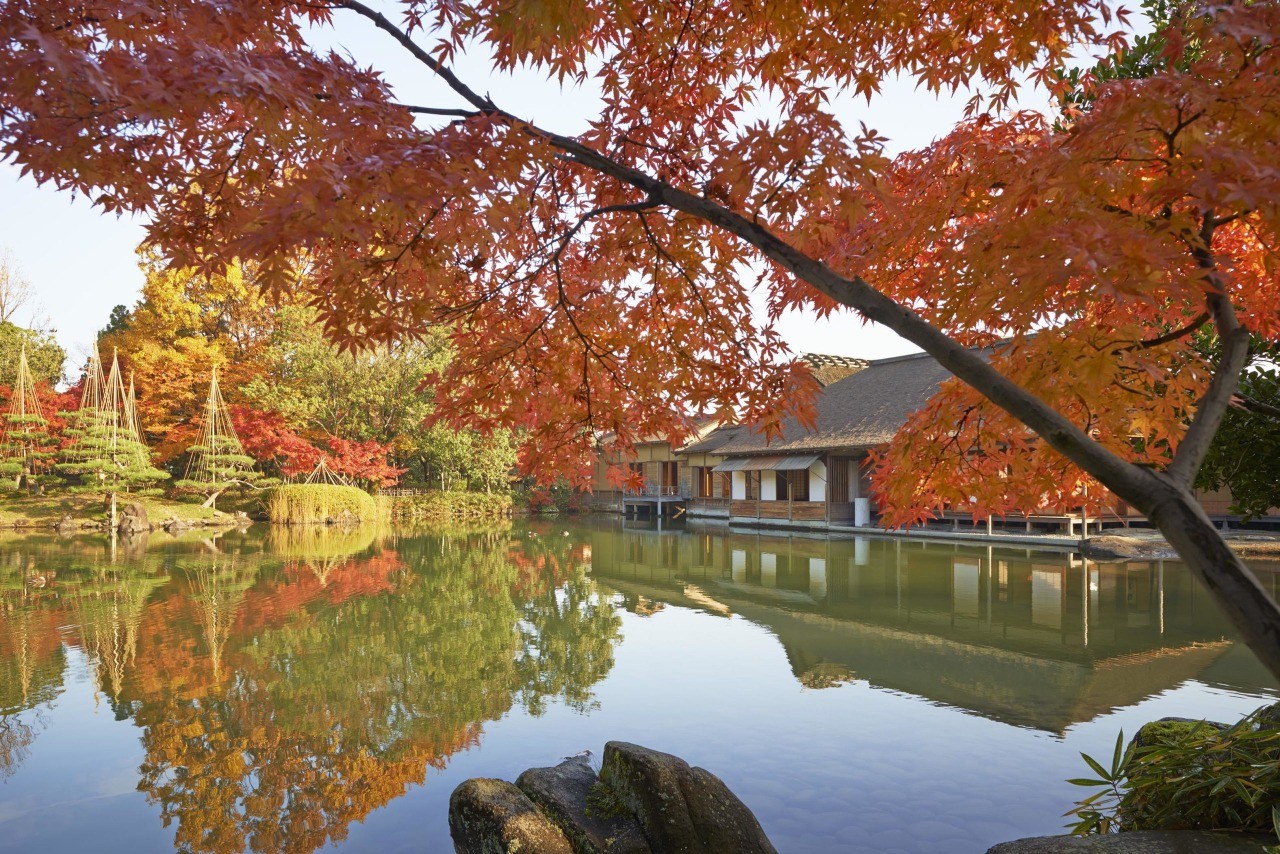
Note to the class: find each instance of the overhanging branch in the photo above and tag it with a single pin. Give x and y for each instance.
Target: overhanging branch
(1136, 485)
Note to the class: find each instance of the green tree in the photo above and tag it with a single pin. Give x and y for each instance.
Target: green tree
(44, 356)
(27, 445)
(380, 394)
(1245, 455)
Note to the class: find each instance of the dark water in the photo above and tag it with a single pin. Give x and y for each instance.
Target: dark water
(291, 691)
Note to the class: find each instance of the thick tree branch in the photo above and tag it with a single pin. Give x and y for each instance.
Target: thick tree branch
(1132, 483)
(1213, 406)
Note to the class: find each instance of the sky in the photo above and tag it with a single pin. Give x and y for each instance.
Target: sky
(81, 263)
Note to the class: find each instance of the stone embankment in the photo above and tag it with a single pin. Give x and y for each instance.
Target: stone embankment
(642, 801)
(131, 519)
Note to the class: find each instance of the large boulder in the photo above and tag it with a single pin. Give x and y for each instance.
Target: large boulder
(573, 797)
(494, 817)
(133, 519)
(680, 808)
(1141, 842)
(67, 526)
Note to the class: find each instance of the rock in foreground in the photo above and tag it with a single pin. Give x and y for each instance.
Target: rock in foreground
(643, 801)
(572, 796)
(680, 808)
(494, 817)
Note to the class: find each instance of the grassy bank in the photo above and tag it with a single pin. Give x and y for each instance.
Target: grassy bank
(444, 506)
(45, 511)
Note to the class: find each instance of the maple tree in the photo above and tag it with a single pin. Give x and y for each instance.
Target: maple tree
(364, 463)
(592, 281)
(269, 440)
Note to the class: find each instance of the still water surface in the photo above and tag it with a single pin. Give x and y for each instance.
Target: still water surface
(285, 690)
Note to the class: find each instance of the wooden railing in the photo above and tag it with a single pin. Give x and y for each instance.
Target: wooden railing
(796, 511)
(655, 490)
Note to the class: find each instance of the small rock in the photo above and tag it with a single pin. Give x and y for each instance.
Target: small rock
(494, 817)
(176, 526)
(1141, 842)
(570, 795)
(133, 519)
(680, 808)
(1269, 716)
(67, 526)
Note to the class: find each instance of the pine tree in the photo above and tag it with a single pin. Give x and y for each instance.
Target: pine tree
(106, 452)
(218, 462)
(27, 446)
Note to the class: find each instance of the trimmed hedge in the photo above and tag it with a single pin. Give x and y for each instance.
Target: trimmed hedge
(446, 506)
(317, 504)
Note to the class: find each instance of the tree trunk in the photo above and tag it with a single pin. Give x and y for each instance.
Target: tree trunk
(1233, 586)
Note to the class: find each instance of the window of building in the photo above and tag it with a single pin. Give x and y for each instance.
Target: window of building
(799, 485)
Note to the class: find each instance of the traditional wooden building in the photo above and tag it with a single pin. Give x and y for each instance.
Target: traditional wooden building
(817, 477)
(686, 470)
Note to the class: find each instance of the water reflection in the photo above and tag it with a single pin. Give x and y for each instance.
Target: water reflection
(266, 690)
(1035, 639)
(284, 693)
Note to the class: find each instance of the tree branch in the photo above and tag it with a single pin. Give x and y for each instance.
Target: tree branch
(438, 111)
(1200, 320)
(1255, 406)
(1235, 354)
(1132, 483)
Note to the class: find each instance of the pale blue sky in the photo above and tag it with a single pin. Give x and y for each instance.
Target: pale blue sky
(82, 263)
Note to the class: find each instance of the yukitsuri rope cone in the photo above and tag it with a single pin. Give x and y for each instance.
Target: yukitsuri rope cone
(218, 462)
(106, 452)
(323, 474)
(27, 446)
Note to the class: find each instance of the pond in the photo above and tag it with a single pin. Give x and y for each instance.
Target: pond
(296, 689)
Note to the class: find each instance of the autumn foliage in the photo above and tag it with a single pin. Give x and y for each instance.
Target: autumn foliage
(602, 281)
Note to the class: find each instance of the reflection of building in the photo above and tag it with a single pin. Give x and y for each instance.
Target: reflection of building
(1030, 638)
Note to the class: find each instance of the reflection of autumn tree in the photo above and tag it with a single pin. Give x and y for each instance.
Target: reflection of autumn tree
(31, 668)
(339, 696)
(31, 656)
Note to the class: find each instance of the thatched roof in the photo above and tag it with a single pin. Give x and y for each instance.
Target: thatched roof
(862, 410)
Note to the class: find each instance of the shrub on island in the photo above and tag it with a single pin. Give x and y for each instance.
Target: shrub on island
(318, 504)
